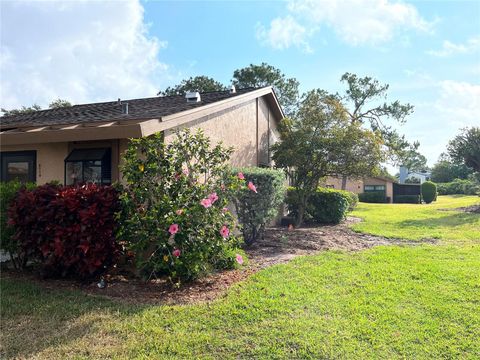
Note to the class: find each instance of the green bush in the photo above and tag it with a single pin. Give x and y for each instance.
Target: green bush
(352, 199)
(327, 206)
(407, 199)
(429, 191)
(372, 197)
(174, 216)
(458, 186)
(255, 209)
(8, 191)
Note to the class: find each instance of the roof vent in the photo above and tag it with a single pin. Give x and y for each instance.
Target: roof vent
(233, 90)
(124, 107)
(193, 97)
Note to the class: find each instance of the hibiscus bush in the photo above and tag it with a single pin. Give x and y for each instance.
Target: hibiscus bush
(66, 230)
(259, 203)
(174, 215)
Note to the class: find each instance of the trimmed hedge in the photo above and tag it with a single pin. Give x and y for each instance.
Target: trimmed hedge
(256, 209)
(459, 186)
(407, 199)
(373, 197)
(352, 199)
(429, 191)
(8, 191)
(326, 205)
(68, 230)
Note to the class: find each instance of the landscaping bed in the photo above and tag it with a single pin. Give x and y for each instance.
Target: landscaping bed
(280, 245)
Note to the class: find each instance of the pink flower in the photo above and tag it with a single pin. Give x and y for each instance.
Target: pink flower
(179, 211)
(173, 229)
(252, 187)
(176, 253)
(206, 203)
(213, 197)
(185, 171)
(224, 231)
(241, 176)
(239, 259)
(225, 210)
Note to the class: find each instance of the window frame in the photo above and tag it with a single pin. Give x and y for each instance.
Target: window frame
(28, 156)
(384, 188)
(105, 163)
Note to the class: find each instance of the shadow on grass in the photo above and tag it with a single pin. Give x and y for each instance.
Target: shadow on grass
(450, 220)
(34, 318)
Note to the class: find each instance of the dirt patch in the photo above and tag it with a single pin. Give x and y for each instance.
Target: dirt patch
(471, 209)
(280, 245)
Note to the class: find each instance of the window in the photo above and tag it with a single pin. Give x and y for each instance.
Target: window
(88, 165)
(374, 188)
(19, 165)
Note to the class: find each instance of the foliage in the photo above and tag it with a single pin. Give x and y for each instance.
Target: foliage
(59, 103)
(412, 180)
(372, 197)
(446, 170)
(413, 160)
(429, 191)
(407, 199)
(8, 191)
(198, 83)
(459, 186)
(174, 214)
(262, 75)
(326, 205)
(69, 230)
(322, 142)
(364, 91)
(351, 198)
(465, 148)
(22, 111)
(256, 209)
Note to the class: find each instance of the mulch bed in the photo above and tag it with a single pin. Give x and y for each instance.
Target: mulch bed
(280, 245)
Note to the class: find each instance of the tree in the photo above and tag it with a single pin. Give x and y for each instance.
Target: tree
(262, 75)
(412, 180)
(197, 83)
(465, 148)
(445, 170)
(364, 99)
(22, 111)
(412, 159)
(59, 103)
(322, 142)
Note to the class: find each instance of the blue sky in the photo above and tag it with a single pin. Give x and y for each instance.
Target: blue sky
(429, 52)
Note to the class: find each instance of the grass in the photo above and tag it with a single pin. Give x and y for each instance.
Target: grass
(417, 222)
(388, 302)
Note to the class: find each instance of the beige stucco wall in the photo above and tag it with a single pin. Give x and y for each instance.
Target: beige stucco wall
(357, 185)
(237, 127)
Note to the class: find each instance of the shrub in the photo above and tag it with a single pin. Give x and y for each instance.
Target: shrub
(372, 197)
(458, 186)
(324, 206)
(69, 231)
(174, 215)
(257, 209)
(352, 199)
(407, 199)
(429, 191)
(8, 191)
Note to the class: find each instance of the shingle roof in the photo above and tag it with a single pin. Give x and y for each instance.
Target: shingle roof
(138, 109)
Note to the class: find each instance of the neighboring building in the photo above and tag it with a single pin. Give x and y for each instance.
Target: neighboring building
(405, 175)
(367, 184)
(86, 142)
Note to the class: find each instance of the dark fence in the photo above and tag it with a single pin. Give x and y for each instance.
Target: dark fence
(405, 189)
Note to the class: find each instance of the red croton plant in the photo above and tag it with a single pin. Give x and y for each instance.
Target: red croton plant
(69, 230)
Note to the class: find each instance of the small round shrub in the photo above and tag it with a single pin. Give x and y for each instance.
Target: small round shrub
(429, 191)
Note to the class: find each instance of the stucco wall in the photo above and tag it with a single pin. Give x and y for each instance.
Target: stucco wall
(353, 185)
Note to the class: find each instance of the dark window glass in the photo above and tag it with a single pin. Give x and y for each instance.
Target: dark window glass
(88, 165)
(18, 165)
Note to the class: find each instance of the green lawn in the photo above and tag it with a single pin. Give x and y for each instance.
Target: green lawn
(416, 222)
(388, 302)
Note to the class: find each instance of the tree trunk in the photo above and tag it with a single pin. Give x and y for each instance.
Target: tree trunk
(344, 182)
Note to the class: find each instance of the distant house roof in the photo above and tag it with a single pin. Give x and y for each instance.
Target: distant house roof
(138, 109)
(106, 120)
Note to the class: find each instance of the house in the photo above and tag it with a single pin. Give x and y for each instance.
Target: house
(406, 175)
(366, 184)
(85, 142)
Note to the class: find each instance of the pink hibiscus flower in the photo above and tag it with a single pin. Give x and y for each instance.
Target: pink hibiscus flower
(241, 176)
(213, 197)
(173, 229)
(176, 253)
(224, 231)
(179, 211)
(239, 259)
(206, 203)
(252, 187)
(225, 210)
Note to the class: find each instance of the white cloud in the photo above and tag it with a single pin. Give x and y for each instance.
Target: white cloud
(356, 22)
(459, 102)
(81, 51)
(450, 48)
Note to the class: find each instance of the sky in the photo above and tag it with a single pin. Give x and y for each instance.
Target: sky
(87, 51)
